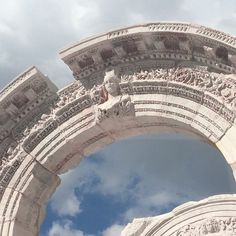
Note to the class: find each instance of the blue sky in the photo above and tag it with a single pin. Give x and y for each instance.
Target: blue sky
(142, 176)
(133, 178)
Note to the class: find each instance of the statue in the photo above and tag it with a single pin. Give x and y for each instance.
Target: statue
(115, 104)
(111, 84)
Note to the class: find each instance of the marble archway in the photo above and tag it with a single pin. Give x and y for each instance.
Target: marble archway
(142, 79)
(213, 216)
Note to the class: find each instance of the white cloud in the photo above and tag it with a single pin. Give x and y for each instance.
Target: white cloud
(162, 199)
(154, 204)
(64, 229)
(66, 205)
(114, 230)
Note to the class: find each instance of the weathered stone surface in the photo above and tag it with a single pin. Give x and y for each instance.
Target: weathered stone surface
(153, 78)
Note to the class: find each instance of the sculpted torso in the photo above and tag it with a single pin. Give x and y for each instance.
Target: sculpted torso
(116, 104)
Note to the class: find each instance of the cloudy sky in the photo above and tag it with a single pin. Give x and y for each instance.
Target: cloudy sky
(133, 178)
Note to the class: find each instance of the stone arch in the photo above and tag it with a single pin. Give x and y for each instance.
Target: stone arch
(206, 217)
(128, 83)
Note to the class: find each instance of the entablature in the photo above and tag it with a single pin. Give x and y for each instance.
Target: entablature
(169, 43)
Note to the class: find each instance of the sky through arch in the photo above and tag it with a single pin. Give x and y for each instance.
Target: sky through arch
(135, 177)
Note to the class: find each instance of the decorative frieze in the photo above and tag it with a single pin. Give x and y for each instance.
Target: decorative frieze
(215, 91)
(216, 226)
(112, 98)
(180, 43)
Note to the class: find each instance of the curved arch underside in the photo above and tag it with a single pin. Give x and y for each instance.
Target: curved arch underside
(154, 78)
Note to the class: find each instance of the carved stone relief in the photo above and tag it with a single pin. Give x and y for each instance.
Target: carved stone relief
(223, 86)
(213, 226)
(115, 103)
(112, 100)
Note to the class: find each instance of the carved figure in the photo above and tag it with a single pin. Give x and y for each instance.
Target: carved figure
(121, 107)
(116, 104)
(111, 83)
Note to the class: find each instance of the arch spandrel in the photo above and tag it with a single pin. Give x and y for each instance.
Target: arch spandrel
(154, 78)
